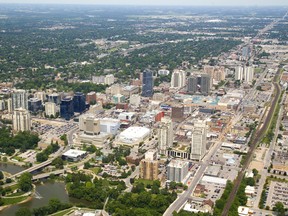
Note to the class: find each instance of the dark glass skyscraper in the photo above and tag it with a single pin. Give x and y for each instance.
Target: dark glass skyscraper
(66, 108)
(79, 102)
(147, 83)
(205, 84)
(34, 105)
(192, 86)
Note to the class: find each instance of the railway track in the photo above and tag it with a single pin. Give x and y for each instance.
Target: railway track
(254, 142)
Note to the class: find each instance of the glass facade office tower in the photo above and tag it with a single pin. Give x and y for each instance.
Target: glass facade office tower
(67, 108)
(79, 102)
(147, 83)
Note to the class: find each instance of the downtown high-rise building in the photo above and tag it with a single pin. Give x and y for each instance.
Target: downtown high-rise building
(165, 135)
(21, 120)
(2, 105)
(147, 83)
(239, 73)
(198, 141)
(89, 124)
(149, 169)
(79, 102)
(67, 108)
(178, 79)
(248, 74)
(205, 84)
(50, 109)
(19, 99)
(177, 170)
(192, 86)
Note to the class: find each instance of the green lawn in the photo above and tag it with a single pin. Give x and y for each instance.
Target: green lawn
(144, 181)
(257, 70)
(18, 158)
(11, 201)
(16, 194)
(96, 170)
(63, 212)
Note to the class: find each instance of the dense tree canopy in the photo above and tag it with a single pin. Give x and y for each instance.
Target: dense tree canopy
(22, 140)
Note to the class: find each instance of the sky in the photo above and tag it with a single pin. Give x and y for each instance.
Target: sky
(159, 2)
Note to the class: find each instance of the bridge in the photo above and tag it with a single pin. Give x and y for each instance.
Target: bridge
(45, 175)
(43, 164)
(33, 168)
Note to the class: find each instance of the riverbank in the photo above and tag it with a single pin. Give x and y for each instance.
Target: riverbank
(16, 200)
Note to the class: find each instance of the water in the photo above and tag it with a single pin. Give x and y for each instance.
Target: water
(10, 168)
(47, 191)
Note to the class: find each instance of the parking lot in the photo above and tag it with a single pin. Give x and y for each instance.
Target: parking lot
(278, 192)
(49, 130)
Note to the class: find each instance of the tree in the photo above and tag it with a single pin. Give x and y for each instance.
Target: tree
(87, 165)
(54, 205)
(255, 172)
(23, 212)
(1, 175)
(279, 208)
(25, 182)
(58, 163)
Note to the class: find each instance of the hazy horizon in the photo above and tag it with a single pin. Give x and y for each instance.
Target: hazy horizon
(258, 3)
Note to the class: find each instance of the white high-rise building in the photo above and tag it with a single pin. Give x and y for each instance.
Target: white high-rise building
(21, 120)
(165, 135)
(239, 73)
(89, 124)
(10, 105)
(135, 100)
(20, 99)
(177, 170)
(109, 79)
(2, 105)
(98, 79)
(110, 126)
(40, 95)
(50, 109)
(178, 79)
(198, 141)
(248, 74)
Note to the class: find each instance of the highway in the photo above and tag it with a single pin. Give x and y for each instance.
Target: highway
(254, 142)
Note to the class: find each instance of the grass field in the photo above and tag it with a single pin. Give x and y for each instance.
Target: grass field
(11, 201)
(144, 181)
